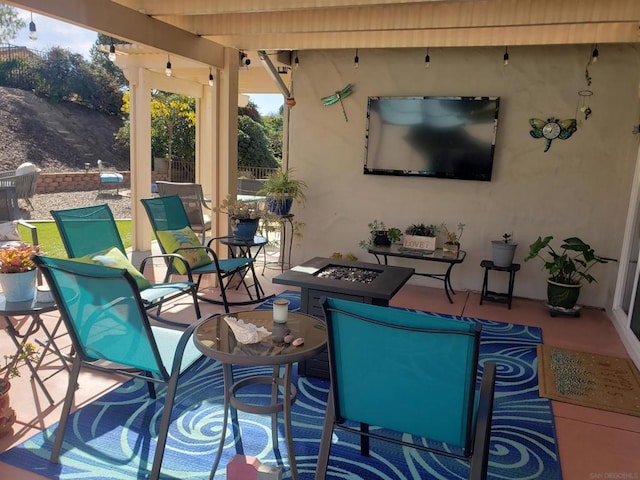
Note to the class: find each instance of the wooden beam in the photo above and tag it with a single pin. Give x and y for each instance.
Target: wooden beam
(115, 20)
(454, 37)
(429, 15)
(208, 7)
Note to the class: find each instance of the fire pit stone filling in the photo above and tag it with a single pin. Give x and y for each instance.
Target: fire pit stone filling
(348, 274)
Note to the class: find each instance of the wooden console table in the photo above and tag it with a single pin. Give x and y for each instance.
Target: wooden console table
(436, 255)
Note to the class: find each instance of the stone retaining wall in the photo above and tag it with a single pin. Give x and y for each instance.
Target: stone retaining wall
(82, 181)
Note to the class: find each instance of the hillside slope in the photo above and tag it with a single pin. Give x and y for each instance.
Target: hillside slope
(55, 137)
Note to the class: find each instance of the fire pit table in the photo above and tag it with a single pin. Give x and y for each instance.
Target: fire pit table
(355, 281)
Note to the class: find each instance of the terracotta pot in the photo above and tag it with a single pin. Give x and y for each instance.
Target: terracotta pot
(7, 414)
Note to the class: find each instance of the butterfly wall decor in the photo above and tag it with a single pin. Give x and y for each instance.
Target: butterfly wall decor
(337, 97)
(552, 128)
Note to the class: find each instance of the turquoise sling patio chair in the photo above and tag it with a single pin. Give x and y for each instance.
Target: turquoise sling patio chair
(169, 222)
(407, 373)
(107, 322)
(85, 231)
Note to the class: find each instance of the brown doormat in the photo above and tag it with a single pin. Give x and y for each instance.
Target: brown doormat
(590, 380)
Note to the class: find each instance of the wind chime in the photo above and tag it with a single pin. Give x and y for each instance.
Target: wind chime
(584, 96)
(584, 104)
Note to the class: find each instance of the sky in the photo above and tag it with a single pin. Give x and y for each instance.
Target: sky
(53, 33)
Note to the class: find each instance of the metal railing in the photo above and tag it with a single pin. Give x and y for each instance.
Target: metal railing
(255, 172)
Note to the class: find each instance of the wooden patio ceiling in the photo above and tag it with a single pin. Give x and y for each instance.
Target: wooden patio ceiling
(199, 29)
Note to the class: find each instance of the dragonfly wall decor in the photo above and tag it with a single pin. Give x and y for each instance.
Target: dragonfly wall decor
(552, 128)
(337, 97)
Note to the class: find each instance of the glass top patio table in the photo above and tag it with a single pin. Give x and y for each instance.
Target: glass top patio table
(215, 339)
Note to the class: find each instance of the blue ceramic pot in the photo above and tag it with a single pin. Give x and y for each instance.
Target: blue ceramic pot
(245, 228)
(279, 206)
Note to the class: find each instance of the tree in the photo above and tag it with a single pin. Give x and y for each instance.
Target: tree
(173, 120)
(101, 59)
(253, 148)
(62, 75)
(10, 23)
(273, 125)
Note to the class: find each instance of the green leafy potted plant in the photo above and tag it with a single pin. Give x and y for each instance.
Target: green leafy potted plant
(380, 235)
(281, 190)
(244, 216)
(567, 268)
(503, 251)
(9, 371)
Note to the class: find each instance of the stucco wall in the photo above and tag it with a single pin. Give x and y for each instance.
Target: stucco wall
(580, 187)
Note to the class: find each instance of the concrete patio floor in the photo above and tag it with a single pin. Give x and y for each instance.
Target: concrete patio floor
(592, 443)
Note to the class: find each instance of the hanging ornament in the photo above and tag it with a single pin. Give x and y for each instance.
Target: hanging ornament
(584, 104)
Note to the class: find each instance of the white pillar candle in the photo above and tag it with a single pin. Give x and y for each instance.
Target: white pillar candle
(280, 310)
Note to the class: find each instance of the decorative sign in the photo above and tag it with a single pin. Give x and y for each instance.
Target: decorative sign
(418, 242)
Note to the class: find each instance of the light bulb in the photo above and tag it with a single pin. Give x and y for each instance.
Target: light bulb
(594, 54)
(356, 60)
(210, 78)
(427, 60)
(112, 52)
(296, 62)
(167, 71)
(33, 35)
(506, 56)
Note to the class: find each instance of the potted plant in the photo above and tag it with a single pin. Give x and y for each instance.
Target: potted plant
(420, 236)
(503, 251)
(244, 216)
(566, 269)
(380, 235)
(452, 240)
(281, 190)
(9, 371)
(17, 271)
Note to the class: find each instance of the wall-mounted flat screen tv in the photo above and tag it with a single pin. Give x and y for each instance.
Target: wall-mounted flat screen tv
(444, 137)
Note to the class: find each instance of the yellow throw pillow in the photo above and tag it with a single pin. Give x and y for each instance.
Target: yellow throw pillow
(114, 258)
(172, 240)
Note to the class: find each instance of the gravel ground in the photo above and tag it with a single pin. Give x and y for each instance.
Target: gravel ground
(43, 203)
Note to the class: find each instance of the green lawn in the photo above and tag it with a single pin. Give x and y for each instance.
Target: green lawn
(51, 243)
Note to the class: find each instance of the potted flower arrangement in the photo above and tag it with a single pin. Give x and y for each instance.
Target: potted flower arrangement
(281, 189)
(420, 236)
(566, 268)
(452, 240)
(17, 271)
(9, 371)
(244, 216)
(503, 251)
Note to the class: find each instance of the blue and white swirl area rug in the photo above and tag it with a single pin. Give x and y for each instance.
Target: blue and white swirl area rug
(114, 437)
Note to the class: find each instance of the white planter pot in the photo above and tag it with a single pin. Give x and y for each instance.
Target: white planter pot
(419, 242)
(503, 253)
(18, 287)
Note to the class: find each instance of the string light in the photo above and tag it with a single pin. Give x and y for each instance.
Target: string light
(112, 51)
(594, 54)
(505, 57)
(427, 60)
(33, 35)
(167, 71)
(210, 77)
(356, 60)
